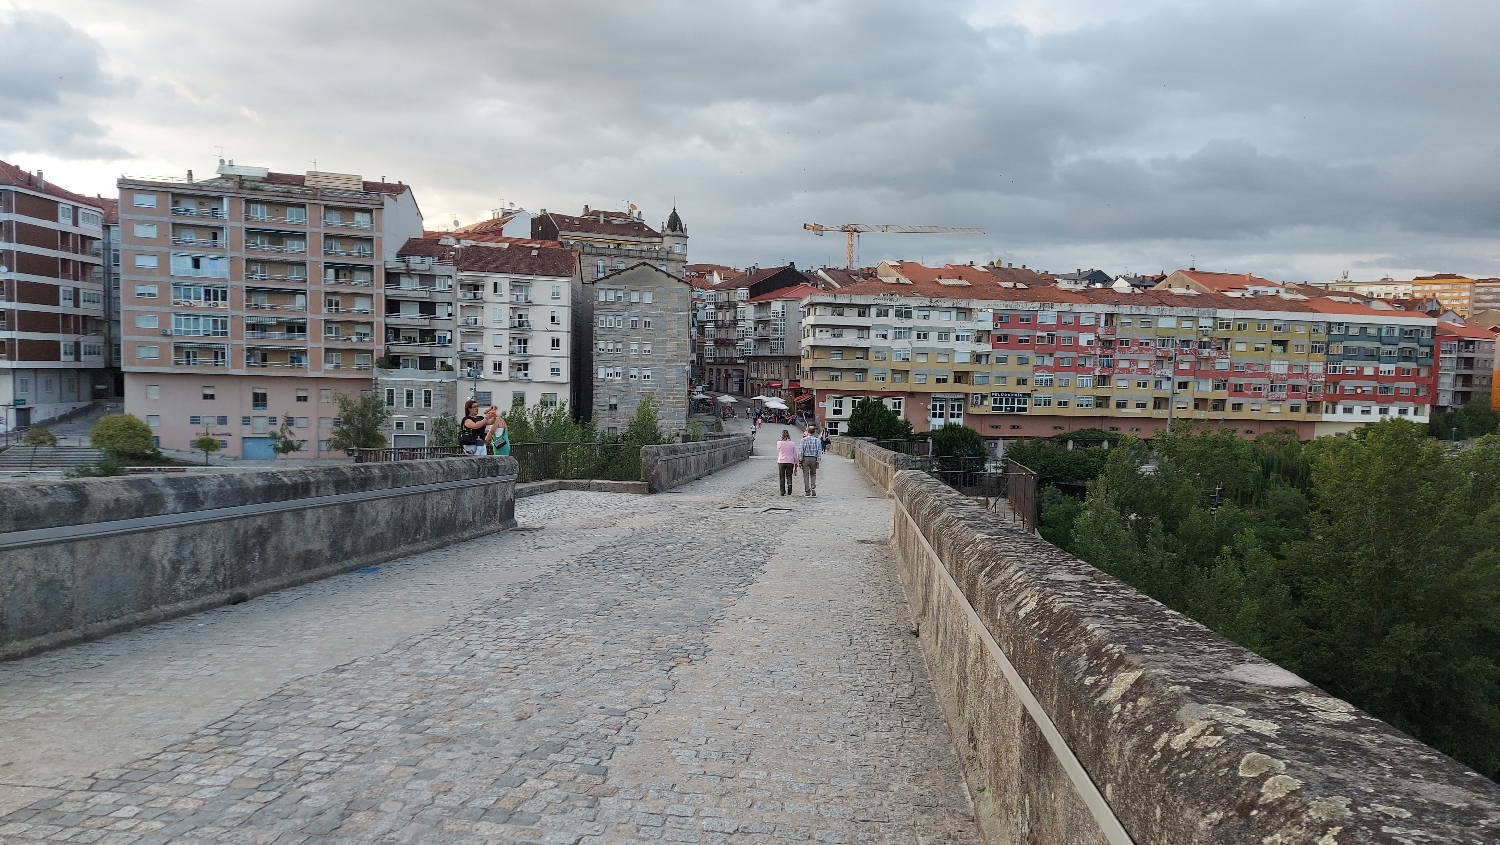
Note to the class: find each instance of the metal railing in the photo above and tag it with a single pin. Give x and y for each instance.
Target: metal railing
(405, 453)
(603, 461)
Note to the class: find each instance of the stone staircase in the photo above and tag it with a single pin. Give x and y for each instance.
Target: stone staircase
(28, 458)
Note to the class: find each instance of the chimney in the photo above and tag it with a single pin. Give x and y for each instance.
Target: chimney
(40, 182)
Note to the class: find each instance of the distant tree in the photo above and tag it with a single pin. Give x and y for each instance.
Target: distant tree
(1474, 418)
(123, 435)
(39, 436)
(871, 418)
(445, 430)
(284, 441)
(644, 429)
(361, 423)
(957, 441)
(207, 445)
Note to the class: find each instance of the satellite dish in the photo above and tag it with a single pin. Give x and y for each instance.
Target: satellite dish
(455, 224)
(4, 269)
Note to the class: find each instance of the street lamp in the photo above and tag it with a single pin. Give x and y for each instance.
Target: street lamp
(473, 373)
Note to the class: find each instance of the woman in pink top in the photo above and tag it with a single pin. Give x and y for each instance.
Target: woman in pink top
(786, 458)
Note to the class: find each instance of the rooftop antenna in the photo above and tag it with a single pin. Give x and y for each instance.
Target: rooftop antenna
(314, 163)
(221, 153)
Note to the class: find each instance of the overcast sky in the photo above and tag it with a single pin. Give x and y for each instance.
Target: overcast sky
(1294, 140)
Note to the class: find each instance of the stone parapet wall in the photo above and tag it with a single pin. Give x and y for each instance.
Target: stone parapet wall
(672, 465)
(85, 558)
(1091, 713)
(879, 465)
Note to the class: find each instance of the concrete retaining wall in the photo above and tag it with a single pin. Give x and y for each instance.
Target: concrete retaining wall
(85, 558)
(675, 464)
(1091, 713)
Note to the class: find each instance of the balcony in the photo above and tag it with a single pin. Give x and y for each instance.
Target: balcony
(293, 247)
(270, 276)
(348, 224)
(348, 249)
(185, 211)
(471, 295)
(471, 321)
(275, 358)
(399, 319)
(348, 280)
(521, 298)
(195, 241)
(520, 352)
(521, 325)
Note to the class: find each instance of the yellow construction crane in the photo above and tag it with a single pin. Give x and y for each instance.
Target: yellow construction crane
(854, 230)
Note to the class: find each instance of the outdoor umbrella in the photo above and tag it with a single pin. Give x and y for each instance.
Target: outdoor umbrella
(727, 399)
(776, 403)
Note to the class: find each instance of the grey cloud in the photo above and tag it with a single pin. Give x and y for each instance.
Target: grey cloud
(50, 72)
(1296, 138)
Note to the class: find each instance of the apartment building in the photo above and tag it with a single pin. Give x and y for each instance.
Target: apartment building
(514, 325)
(53, 325)
(775, 357)
(1486, 296)
(1454, 291)
(638, 336)
(609, 241)
(1466, 363)
(1385, 288)
(1014, 361)
(252, 299)
(729, 340)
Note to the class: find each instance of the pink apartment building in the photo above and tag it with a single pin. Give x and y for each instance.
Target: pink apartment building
(252, 299)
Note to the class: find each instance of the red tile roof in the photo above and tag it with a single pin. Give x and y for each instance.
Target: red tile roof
(490, 238)
(1440, 277)
(614, 224)
(1471, 332)
(111, 209)
(17, 178)
(797, 293)
(1221, 282)
(522, 258)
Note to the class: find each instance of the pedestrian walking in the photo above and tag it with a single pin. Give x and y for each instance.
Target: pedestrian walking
(472, 429)
(810, 450)
(786, 460)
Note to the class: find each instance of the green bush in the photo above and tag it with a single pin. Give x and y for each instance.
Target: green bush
(871, 418)
(445, 430)
(361, 423)
(39, 436)
(108, 465)
(123, 435)
(957, 441)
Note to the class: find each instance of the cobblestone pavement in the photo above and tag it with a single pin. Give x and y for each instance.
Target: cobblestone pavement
(718, 664)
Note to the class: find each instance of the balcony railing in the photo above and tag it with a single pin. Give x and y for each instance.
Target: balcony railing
(359, 283)
(471, 295)
(179, 211)
(199, 362)
(331, 249)
(275, 277)
(263, 335)
(275, 306)
(417, 317)
(285, 365)
(521, 325)
(521, 298)
(211, 244)
(299, 220)
(200, 303)
(348, 224)
(296, 248)
(470, 321)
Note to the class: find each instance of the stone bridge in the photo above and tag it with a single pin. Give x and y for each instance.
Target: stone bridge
(714, 664)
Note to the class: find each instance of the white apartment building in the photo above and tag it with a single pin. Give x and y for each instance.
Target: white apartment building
(514, 316)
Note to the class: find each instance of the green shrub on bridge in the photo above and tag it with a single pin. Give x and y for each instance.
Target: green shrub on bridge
(871, 418)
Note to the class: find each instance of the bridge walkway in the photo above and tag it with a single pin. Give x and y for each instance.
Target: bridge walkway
(699, 666)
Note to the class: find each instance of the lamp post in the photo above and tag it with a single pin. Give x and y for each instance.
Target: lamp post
(473, 373)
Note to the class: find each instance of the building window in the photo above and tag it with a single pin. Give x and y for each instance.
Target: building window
(145, 230)
(146, 321)
(153, 391)
(427, 398)
(208, 393)
(148, 353)
(146, 262)
(556, 370)
(153, 420)
(145, 200)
